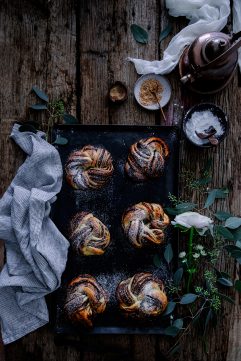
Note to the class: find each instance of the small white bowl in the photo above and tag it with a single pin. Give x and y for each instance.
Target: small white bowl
(166, 94)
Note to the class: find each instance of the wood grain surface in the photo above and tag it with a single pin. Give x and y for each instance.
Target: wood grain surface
(75, 50)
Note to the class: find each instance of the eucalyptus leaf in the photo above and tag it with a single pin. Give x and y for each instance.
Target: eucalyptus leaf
(172, 211)
(230, 248)
(168, 254)
(227, 298)
(210, 199)
(236, 253)
(164, 33)
(157, 261)
(222, 216)
(140, 34)
(170, 308)
(237, 286)
(27, 128)
(225, 282)
(61, 141)
(177, 277)
(213, 194)
(38, 107)
(208, 319)
(188, 298)
(171, 331)
(40, 94)
(178, 323)
(201, 181)
(233, 222)
(237, 234)
(185, 207)
(238, 244)
(224, 232)
(70, 119)
(222, 193)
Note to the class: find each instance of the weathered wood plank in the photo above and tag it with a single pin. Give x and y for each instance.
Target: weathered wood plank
(37, 43)
(38, 47)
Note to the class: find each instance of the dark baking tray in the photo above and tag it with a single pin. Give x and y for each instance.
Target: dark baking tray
(121, 260)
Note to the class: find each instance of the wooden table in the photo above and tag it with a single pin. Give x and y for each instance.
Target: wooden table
(75, 51)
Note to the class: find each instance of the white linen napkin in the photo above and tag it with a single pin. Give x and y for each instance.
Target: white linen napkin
(205, 16)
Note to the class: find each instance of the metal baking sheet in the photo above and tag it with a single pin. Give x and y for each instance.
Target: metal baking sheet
(121, 260)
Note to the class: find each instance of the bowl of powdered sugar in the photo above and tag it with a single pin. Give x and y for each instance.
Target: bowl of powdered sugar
(205, 125)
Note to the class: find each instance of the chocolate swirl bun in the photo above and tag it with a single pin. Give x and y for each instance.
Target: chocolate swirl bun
(85, 298)
(146, 159)
(144, 224)
(141, 296)
(88, 235)
(89, 167)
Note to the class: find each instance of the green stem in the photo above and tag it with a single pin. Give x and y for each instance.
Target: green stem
(189, 257)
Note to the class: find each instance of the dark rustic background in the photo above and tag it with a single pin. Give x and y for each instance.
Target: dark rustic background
(74, 51)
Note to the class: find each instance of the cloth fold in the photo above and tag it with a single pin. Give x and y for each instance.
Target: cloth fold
(36, 251)
(205, 16)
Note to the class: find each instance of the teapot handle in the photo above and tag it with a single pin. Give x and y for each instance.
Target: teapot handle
(197, 70)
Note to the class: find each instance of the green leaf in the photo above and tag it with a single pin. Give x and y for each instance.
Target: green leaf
(237, 286)
(171, 331)
(213, 194)
(168, 254)
(224, 232)
(188, 298)
(233, 222)
(177, 277)
(227, 298)
(172, 211)
(157, 261)
(230, 248)
(222, 216)
(40, 94)
(208, 319)
(70, 119)
(140, 35)
(238, 244)
(27, 128)
(38, 107)
(236, 253)
(210, 199)
(225, 282)
(61, 141)
(237, 234)
(164, 33)
(170, 308)
(222, 193)
(201, 182)
(178, 323)
(185, 207)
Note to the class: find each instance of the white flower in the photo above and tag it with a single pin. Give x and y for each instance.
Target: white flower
(193, 219)
(182, 254)
(196, 255)
(203, 253)
(199, 247)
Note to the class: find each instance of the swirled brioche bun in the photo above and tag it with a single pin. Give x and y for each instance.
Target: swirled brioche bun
(85, 298)
(88, 235)
(141, 296)
(144, 224)
(89, 167)
(146, 159)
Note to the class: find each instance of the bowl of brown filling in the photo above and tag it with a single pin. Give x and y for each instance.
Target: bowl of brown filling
(152, 91)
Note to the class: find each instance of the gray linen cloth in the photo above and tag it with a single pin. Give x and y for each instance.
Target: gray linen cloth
(36, 251)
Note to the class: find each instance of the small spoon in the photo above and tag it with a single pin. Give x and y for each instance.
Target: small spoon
(160, 107)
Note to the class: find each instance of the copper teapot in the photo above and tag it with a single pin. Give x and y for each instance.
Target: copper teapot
(208, 64)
